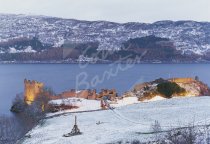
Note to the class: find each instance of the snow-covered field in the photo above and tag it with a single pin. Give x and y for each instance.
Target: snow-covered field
(89, 105)
(124, 122)
(82, 104)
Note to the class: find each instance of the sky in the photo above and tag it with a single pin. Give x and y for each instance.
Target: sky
(112, 10)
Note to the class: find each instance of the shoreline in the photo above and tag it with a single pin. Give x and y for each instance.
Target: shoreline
(92, 63)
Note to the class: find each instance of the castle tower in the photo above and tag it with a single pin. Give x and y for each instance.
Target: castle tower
(31, 90)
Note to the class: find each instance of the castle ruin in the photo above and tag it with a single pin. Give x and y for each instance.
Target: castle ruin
(32, 89)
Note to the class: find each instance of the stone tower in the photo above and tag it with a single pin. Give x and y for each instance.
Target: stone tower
(31, 90)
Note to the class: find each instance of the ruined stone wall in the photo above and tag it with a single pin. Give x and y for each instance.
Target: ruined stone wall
(92, 95)
(182, 80)
(112, 94)
(68, 94)
(86, 94)
(82, 94)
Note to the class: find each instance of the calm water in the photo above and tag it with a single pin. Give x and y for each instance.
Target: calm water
(62, 77)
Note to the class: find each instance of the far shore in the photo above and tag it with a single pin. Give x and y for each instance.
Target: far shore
(63, 62)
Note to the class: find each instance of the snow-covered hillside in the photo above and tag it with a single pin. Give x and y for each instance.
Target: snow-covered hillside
(188, 36)
(122, 123)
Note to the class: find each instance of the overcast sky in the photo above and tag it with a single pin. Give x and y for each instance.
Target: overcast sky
(113, 10)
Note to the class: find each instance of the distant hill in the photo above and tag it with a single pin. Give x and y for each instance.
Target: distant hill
(29, 37)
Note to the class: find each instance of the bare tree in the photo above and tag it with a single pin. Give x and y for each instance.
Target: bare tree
(18, 104)
(156, 129)
(186, 135)
(26, 117)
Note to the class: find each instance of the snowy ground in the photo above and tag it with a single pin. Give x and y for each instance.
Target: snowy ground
(124, 122)
(82, 104)
(89, 105)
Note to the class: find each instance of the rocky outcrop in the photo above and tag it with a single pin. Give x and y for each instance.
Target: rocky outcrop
(174, 87)
(192, 86)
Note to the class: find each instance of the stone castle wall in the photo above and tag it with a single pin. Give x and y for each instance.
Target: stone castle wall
(87, 94)
(33, 88)
(111, 94)
(182, 80)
